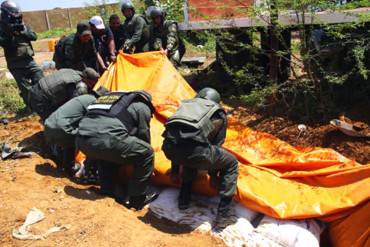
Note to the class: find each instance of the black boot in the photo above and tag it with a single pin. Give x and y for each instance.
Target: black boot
(224, 208)
(68, 160)
(106, 172)
(185, 196)
(139, 202)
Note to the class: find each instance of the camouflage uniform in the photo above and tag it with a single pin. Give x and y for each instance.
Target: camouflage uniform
(166, 37)
(19, 57)
(56, 89)
(136, 34)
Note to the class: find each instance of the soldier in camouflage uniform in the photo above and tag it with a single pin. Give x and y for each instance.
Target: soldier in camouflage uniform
(164, 36)
(61, 128)
(15, 38)
(77, 51)
(193, 140)
(116, 131)
(136, 30)
(56, 89)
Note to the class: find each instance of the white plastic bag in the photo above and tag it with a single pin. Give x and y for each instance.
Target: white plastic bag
(291, 233)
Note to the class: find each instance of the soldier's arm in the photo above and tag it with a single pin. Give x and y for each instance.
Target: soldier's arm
(81, 89)
(172, 37)
(142, 115)
(221, 135)
(138, 32)
(111, 45)
(29, 33)
(4, 39)
(69, 57)
(100, 61)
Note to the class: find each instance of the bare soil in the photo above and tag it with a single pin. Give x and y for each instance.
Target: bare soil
(94, 220)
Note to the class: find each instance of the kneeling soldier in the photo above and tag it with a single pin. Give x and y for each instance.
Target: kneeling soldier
(56, 89)
(62, 125)
(116, 131)
(193, 139)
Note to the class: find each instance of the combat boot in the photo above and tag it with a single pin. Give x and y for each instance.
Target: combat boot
(139, 202)
(185, 196)
(223, 211)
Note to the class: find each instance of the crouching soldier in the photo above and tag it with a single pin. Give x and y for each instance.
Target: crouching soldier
(164, 36)
(193, 139)
(15, 38)
(116, 131)
(56, 89)
(62, 125)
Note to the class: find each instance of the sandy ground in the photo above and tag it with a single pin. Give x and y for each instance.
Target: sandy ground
(93, 220)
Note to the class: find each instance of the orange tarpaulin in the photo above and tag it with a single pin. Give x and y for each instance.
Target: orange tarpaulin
(275, 178)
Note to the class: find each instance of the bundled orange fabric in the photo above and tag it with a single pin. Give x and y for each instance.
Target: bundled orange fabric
(275, 178)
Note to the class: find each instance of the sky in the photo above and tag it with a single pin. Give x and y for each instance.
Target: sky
(30, 5)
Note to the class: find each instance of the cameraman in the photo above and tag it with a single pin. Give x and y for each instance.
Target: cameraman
(15, 38)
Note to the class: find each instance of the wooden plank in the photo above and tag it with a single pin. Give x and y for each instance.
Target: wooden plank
(285, 19)
(47, 20)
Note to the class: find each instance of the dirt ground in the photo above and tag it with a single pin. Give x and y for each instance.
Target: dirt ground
(320, 135)
(93, 220)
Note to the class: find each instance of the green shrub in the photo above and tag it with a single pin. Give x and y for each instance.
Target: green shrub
(10, 100)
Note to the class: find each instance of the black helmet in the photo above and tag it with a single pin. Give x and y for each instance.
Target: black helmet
(157, 11)
(10, 12)
(210, 94)
(127, 5)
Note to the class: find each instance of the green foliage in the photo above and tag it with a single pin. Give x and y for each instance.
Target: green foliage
(10, 100)
(330, 63)
(55, 33)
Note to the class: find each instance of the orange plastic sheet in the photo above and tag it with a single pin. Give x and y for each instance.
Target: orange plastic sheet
(354, 230)
(275, 178)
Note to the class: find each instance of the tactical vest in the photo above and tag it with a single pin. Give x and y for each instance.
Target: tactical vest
(116, 105)
(55, 85)
(196, 113)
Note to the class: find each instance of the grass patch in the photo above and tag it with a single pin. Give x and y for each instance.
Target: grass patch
(10, 100)
(55, 33)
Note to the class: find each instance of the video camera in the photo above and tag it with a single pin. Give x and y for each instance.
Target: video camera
(15, 21)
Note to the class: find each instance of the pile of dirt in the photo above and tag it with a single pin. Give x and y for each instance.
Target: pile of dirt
(316, 135)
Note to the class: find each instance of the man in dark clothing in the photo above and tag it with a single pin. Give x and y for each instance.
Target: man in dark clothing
(56, 89)
(117, 29)
(193, 139)
(62, 125)
(136, 30)
(15, 38)
(77, 51)
(164, 36)
(116, 131)
(104, 41)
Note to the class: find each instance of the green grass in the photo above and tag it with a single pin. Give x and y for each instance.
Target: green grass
(10, 100)
(55, 33)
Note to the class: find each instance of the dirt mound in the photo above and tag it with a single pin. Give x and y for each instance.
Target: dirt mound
(324, 135)
(94, 220)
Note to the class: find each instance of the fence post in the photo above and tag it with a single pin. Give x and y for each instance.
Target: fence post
(69, 18)
(47, 20)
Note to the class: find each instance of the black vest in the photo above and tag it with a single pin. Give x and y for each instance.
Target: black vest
(115, 105)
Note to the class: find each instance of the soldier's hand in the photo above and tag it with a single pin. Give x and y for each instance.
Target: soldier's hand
(113, 58)
(164, 52)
